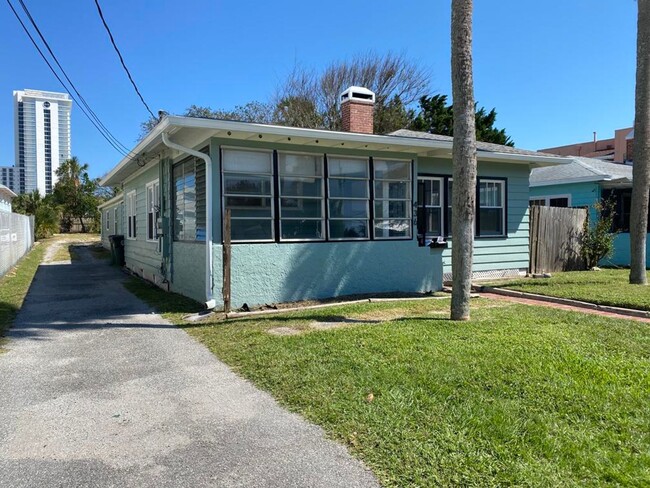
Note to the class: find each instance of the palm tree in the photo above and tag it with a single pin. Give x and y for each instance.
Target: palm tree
(641, 169)
(463, 157)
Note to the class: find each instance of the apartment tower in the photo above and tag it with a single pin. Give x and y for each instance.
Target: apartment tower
(42, 138)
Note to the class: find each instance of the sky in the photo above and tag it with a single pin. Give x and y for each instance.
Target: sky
(556, 71)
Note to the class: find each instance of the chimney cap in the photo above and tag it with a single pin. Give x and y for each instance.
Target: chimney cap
(359, 94)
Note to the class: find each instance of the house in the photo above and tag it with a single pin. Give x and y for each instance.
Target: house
(584, 182)
(6, 196)
(314, 213)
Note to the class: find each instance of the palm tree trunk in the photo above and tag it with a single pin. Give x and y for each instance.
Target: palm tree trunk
(641, 168)
(464, 158)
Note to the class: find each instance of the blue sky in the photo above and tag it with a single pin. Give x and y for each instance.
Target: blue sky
(555, 70)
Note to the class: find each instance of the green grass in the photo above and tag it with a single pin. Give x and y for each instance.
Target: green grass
(605, 287)
(15, 284)
(518, 396)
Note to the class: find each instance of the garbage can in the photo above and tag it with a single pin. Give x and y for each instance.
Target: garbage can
(117, 249)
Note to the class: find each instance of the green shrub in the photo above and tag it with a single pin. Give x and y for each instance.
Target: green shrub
(598, 239)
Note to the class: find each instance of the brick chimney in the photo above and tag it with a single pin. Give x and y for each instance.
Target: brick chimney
(357, 105)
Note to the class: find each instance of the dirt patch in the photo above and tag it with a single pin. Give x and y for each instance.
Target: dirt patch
(381, 315)
(283, 331)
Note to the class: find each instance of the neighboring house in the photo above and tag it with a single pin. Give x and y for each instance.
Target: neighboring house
(315, 213)
(618, 149)
(6, 196)
(581, 184)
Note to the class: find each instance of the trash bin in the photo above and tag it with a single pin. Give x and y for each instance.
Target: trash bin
(117, 249)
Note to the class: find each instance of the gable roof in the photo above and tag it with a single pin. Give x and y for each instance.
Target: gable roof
(6, 192)
(582, 170)
(192, 131)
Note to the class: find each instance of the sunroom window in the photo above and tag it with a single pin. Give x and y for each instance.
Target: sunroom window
(392, 185)
(430, 206)
(302, 208)
(348, 192)
(491, 207)
(248, 193)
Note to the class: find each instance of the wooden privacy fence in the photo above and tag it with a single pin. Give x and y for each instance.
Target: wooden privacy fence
(555, 239)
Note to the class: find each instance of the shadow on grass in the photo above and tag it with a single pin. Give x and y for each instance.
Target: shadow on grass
(162, 301)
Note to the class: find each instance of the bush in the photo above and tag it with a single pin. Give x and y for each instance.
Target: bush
(46, 221)
(598, 239)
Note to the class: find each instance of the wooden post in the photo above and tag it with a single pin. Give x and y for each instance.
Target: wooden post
(226, 262)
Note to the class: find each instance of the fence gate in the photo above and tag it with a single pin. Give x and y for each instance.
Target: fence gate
(555, 235)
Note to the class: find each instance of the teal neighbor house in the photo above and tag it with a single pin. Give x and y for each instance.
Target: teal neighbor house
(582, 183)
(314, 213)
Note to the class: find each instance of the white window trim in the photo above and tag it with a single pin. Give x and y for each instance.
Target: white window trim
(155, 183)
(443, 209)
(504, 224)
(408, 201)
(132, 211)
(115, 220)
(547, 198)
(322, 199)
(367, 199)
(108, 220)
(272, 195)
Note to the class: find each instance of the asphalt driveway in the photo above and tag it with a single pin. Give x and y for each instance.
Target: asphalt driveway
(97, 390)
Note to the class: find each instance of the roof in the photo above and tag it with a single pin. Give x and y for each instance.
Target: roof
(193, 131)
(6, 193)
(117, 198)
(582, 170)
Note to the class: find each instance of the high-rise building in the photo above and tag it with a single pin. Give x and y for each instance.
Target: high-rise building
(8, 177)
(42, 138)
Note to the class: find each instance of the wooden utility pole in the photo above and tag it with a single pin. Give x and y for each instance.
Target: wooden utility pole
(226, 262)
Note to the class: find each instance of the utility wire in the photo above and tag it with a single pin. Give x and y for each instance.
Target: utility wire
(81, 98)
(31, 38)
(119, 54)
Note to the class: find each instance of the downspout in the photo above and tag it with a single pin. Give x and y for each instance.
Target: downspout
(209, 299)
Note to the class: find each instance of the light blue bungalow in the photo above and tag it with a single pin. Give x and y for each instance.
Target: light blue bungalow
(315, 213)
(584, 182)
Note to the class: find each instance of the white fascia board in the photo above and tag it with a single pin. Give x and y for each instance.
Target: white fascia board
(567, 181)
(116, 199)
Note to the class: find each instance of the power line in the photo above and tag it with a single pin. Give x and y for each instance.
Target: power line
(117, 148)
(81, 98)
(119, 54)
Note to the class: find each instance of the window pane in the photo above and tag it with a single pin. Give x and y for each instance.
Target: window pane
(302, 229)
(559, 202)
(301, 208)
(430, 221)
(247, 161)
(247, 184)
(249, 206)
(354, 168)
(348, 209)
(348, 229)
(393, 189)
(251, 230)
(392, 170)
(300, 165)
(348, 188)
(490, 194)
(392, 209)
(491, 222)
(392, 228)
(301, 187)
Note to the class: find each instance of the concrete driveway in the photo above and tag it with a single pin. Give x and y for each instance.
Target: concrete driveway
(97, 390)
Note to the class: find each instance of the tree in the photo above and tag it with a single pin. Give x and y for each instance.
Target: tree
(396, 81)
(641, 169)
(597, 240)
(463, 157)
(437, 117)
(75, 192)
(46, 214)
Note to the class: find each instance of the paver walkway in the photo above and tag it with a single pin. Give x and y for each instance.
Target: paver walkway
(97, 390)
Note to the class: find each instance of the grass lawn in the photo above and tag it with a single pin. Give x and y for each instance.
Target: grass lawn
(15, 284)
(518, 396)
(605, 287)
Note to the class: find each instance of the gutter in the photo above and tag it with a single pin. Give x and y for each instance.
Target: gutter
(209, 299)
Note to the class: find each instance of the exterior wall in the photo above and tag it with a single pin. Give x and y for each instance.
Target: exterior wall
(494, 254)
(120, 220)
(585, 195)
(5, 204)
(187, 271)
(142, 257)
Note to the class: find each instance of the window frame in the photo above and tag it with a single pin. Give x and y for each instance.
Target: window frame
(181, 162)
(132, 215)
(443, 204)
(272, 196)
(154, 187)
(504, 206)
(368, 199)
(547, 199)
(115, 220)
(323, 198)
(108, 220)
(407, 201)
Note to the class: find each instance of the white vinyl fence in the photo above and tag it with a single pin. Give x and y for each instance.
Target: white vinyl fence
(16, 238)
